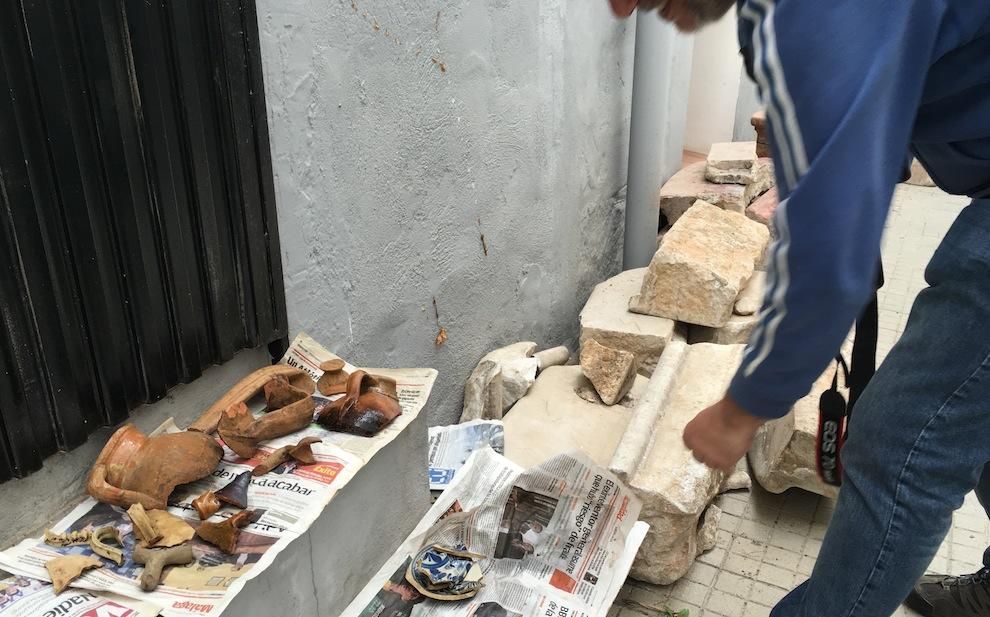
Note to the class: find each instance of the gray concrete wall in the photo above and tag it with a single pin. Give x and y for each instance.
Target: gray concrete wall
(404, 131)
(747, 104)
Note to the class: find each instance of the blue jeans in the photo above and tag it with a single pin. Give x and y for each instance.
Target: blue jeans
(919, 441)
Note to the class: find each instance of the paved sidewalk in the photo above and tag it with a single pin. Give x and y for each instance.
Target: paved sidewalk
(768, 543)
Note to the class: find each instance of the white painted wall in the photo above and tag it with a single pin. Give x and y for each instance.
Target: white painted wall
(714, 90)
(404, 130)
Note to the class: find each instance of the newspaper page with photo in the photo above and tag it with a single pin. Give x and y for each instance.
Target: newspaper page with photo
(451, 446)
(21, 596)
(285, 503)
(558, 540)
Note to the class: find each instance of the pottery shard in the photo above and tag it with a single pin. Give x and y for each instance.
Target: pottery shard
(750, 300)
(554, 418)
(763, 209)
(607, 320)
(705, 260)
(610, 371)
(689, 185)
(676, 490)
(783, 453)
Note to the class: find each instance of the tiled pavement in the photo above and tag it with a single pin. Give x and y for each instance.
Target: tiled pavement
(768, 543)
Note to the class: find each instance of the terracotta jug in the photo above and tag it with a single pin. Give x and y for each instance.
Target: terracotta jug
(369, 405)
(134, 468)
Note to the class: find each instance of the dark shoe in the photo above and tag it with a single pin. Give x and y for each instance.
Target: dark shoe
(952, 596)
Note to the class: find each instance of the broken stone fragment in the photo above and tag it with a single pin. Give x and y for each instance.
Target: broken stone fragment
(783, 452)
(676, 490)
(705, 260)
(504, 376)
(610, 371)
(607, 320)
(763, 209)
(750, 300)
(553, 419)
(919, 175)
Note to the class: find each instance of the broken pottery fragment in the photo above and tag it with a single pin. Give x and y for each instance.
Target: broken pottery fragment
(676, 490)
(144, 528)
(224, 535)
(133, 468)
(156, 560)
(783, 452)
(64, 570)
(334, 378)
(106, 542)
(689, 185)
(174, 530)
(248, 388)
(280, 393)
(610, 371)
(703, 263)
(301, 452)
(236, 491)
(553, 418)
(206, 505)
(242, 432)
(68, 538)
(365, 409)
(606, 319)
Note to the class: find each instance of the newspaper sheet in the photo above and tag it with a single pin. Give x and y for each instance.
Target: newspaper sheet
(559, 540)
(451, 446)
(21, 596)
(288, 500)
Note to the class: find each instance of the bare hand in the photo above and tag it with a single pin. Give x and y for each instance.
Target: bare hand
(722, 434)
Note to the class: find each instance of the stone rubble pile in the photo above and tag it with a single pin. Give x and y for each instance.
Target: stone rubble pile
(682, 322)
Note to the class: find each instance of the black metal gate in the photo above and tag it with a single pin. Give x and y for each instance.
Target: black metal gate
(138, 238)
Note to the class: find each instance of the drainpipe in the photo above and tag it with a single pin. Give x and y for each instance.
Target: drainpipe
(661, 78)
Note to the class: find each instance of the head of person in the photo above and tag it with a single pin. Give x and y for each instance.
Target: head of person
(687, 15)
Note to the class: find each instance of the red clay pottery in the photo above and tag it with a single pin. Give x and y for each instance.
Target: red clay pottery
(134, 468)
(248, 388)
(369, 405)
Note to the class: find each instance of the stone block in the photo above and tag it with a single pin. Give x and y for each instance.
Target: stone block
(750, 300)
(735, 163)
(553, 418)
(735, 332)
(610, 371)
(689, 185)
(705, 260)
(763, 209)
(783, 453)
(485, 396)
(676, 490)
(607, 320)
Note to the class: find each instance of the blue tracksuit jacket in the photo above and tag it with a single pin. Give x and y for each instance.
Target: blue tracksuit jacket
(852, 89)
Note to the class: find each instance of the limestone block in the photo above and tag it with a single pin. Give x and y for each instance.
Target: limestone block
(783, 453)
(485, 393)
(553, 419)
(750, 300)
(731, 163)
(610, 371)
(919, 175)
(763, 209)
(676, 490)
(705, 260)
(735, 332)
(689, 185)
(607, 320)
